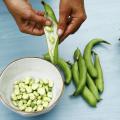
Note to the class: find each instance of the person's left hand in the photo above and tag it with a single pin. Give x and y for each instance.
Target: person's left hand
(72, 15)
(29, 20)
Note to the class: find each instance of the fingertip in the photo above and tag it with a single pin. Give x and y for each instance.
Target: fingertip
(38, 32)
(40, 13)
(60, 32)
(48, 22)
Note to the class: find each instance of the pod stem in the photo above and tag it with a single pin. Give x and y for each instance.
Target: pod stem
(42, 2)
(107, 42)
(93, 52)
(69, 63)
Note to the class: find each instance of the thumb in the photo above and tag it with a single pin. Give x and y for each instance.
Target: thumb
(62, 21)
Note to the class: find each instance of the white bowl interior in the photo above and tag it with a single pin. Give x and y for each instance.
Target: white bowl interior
(35, 67)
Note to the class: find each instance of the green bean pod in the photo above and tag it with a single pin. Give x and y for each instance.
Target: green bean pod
(64, 66)
(99, 80)
(86, 93)
(75, 73)
(82, 76)
(89, 97)
(77, 54)
(51, 33)
(87, 56)
(49, 11)
(92, 87)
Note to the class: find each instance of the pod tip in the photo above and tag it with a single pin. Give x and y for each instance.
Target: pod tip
(43, 2)
(74, 94)
(107, 42)
(99, 99)
(66, 83)
(69, 63)
(93, 52)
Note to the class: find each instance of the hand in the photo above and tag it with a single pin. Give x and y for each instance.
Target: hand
(28, 20)
(72, 15)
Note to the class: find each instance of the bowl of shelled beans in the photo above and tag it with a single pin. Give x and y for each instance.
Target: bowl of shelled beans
(30, 86)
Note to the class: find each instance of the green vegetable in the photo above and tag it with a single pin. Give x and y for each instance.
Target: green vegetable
(92, 87)
(51, 33)
(45, 104)
(40, 108)
(86, 93)
(87, 56)
(64, 66)
(89, 97)
(82, 76)
(77, 54)
(28, 109)
(75, 73)
(41, 91)
(33, 95)
(99, 80)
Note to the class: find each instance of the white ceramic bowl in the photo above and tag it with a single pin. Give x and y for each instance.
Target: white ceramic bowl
(35, 67)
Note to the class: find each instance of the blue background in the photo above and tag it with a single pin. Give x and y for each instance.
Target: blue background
(104, 22)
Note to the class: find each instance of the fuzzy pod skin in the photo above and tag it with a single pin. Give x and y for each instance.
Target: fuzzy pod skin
(87, 56)
(82, 76)
(52, 47)
(89, 97)
(77, 54)
(86, 93)
(75, 72)
(64, 66)
(49, 11)
(92, 87)
(99, 80)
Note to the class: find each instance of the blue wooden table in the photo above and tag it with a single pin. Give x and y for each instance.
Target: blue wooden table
(104, 22)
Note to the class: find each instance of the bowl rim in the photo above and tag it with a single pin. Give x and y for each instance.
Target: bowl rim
(23, 112)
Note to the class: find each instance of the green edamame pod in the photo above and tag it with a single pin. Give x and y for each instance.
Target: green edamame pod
(49, 11)
(86, 93)
(75, 73)
(87, 56)
(82, 76)
(51, 33)
(92, 87)
(77, 54)
(46, 56)
(66, 69)
(64, 66)
(99, 80)
(89, 97)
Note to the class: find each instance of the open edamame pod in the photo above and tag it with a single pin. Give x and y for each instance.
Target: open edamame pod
(87, 56)
(64, 66)
(99, 80)
(92, 87)
(82, 76)
(51, 33)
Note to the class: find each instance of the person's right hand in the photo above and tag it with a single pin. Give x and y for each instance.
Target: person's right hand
(28, 20)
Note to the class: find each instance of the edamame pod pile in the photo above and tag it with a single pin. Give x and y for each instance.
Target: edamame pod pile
(86, 71)
(93, 83)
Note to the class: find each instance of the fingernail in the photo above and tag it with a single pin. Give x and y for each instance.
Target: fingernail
(60, 32)
(48, 22)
